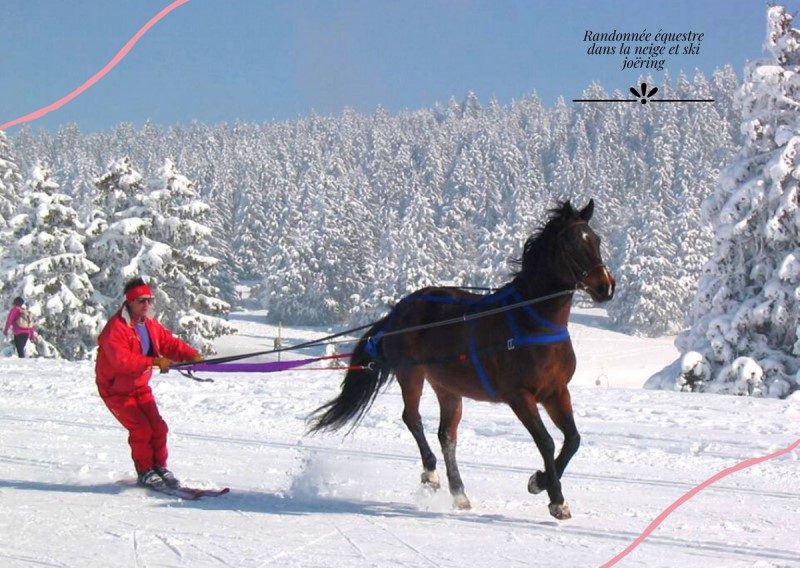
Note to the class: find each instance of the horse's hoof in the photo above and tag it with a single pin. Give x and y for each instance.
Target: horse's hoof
(536, 483)
(560, 512)
(461, 502)
(431, 479)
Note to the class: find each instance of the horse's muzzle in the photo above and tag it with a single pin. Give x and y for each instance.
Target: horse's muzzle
(600, 284)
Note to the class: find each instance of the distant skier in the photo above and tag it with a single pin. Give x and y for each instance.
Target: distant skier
(131, 344)
(20, 322)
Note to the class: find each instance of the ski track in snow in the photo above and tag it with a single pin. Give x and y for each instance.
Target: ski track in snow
(356, 501)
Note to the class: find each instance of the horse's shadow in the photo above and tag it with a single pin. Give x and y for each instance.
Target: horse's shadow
(284, 504)
(276, 503)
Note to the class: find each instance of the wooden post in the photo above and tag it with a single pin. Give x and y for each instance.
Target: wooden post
(278, 344)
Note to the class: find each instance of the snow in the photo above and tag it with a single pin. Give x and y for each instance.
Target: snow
(328, 501)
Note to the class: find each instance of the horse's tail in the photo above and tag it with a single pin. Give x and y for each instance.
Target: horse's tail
(368, 374)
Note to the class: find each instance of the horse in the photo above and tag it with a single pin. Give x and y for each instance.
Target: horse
(494, 348)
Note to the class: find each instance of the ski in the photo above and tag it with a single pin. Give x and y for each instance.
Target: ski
(190, 493)
(181, 491)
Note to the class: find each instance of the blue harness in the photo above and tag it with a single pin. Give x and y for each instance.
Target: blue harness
(506, 295)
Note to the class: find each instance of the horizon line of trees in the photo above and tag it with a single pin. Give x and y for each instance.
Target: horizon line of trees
(337, 217)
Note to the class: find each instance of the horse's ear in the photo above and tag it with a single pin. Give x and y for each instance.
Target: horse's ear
(586, 212)
(568, 209)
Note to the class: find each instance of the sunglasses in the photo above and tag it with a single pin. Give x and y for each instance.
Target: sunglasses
(145, 300)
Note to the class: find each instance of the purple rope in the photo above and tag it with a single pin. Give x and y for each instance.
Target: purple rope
(269, 367)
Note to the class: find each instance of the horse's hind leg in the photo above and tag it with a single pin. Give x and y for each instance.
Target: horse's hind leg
(524, 406)
(560, 410)
(450, 407)
(411, 384)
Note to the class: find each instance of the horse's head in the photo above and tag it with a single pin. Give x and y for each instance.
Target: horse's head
(568, 250)
(579, 248)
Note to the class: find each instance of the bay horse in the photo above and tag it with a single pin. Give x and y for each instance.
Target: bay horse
(495, 350)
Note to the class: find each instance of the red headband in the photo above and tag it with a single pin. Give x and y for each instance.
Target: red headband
(138, 292)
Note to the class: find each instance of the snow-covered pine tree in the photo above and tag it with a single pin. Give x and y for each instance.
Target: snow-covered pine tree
(745, 337)
(419, 238)
(556, 159)
(117, 226)
(648, 299)
(350, 240)
(705, 144)
(47, 265)
(207, 153)
(502, 223)
(75, 166)
(383, 294)
(10, 181)
(258, 222)
(295, 288)
(173, 255)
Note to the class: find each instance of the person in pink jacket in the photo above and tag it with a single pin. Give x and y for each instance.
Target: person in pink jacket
(21, 324)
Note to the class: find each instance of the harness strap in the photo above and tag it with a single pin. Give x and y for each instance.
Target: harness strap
(371, 346)
(486, 383)
(536, 317)
(540, 339)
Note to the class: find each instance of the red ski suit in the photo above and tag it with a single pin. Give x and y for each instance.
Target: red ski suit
(123, 375)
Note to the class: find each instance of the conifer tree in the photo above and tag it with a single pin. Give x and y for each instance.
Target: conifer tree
(173, 254)
(746, 314)
(46, 264)
(10, 181)
(117, 227)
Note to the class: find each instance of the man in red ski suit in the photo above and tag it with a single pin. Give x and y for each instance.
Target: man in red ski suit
(131, 344)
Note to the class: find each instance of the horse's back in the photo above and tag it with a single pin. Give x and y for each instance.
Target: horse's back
(433, 304)
(453, 351)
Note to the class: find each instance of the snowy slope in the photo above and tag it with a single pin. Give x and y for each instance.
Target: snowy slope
(327, 501)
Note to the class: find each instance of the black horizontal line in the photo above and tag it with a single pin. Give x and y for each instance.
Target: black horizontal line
(605, 100)
(648, 100)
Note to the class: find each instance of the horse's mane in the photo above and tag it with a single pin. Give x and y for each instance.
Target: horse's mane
(543, 239)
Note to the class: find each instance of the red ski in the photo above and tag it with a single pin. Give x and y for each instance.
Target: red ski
(181, 491)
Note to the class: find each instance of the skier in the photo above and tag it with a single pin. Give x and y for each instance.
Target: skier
(20, 322)
(131, 344)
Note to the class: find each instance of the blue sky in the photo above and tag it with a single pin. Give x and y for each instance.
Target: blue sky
(260, 60)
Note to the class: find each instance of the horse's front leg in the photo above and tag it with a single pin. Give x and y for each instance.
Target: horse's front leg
(523, 403)
(450, 407)
(559, 408)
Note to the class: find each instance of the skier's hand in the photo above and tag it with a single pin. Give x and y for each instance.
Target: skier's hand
(197, 358)
(162, 363)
